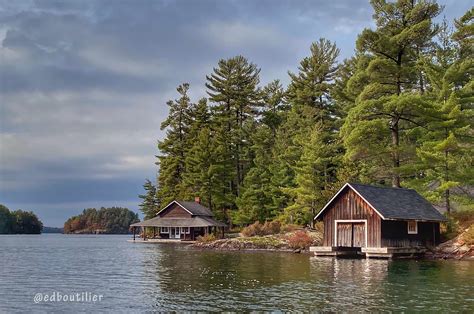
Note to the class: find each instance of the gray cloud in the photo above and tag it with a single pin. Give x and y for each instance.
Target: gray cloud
(84, 83)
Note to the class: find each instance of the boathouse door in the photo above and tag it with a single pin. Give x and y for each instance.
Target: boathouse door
(350, 233)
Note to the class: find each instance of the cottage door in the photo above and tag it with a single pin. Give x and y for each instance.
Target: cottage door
(174, 233)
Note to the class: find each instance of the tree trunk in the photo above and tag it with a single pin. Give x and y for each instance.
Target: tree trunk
(448, 202)
(446, 175)
(396, 153)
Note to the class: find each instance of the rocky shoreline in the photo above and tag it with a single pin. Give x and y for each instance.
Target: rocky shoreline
(273, 243)
(453, 249)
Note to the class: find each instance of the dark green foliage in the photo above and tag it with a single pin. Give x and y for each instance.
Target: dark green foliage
(378, 129)
(233, 90)
(5, 220)
(446, 146)
(315, 142)
(399, 111)
(26, 223)
(273, 106)
(19, 222)
(174, 146)
(150, 205)
(255, 202)
(113, 220)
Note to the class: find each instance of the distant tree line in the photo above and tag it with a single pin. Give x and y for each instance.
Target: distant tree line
(399, 112)
(113, 220)
(19, 222)
(53, 230)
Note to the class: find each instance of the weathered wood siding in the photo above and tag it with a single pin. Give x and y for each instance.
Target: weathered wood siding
(174, 210)
(395, 234)
(350, 206)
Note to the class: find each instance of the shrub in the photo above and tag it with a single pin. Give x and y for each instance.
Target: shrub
(288, 228)
(255, 229)
(271, 227)
(206, 238)
(299, 240)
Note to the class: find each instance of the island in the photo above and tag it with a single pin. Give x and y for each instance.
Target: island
(113, 220)
(19, 222)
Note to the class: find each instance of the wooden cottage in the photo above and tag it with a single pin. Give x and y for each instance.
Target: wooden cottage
(378, 222)
(181, 220)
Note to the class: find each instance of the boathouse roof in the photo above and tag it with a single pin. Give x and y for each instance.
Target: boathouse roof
(392, 203)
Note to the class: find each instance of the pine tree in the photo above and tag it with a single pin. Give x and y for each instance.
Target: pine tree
(309, 95)
(150, 204)
(173, 147)
(255, 202)
(312, 190)
(310, 86)
(233, 88)
(377, 130)
(200, 117)
(464, 34)
(203, 176)
(273, 106)
(446, 148)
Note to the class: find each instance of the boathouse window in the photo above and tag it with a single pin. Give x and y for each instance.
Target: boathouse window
(412, 227)
(165, 230)
(184, 230)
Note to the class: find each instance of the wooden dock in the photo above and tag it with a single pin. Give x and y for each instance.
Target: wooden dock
(368, 252)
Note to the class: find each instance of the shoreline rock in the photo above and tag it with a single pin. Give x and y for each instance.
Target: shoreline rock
(271, 243)
(452, 249)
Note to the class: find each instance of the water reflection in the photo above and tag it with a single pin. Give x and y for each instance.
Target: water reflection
(137, 277)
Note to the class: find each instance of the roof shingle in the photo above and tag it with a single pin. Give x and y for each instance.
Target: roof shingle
(398, 203)
(196, 208)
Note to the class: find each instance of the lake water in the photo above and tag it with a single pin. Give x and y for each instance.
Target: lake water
(165, 277)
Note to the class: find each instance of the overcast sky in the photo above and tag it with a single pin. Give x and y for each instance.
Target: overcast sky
(83, 84)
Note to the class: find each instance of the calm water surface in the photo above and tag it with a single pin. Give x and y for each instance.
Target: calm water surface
(163, 277)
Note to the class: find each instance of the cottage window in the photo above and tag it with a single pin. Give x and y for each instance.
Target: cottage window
(412, 227)
(165, 230)
(184, 230)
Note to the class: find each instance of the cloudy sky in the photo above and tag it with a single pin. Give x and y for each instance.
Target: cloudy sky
(83, 84)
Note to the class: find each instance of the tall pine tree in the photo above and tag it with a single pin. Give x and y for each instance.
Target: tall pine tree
(233, 90)
(377, 130)
(173, 147)
(309, 95)
(255, 201)
(446, 148)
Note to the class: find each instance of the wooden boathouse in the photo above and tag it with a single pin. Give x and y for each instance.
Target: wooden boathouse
(378, 222)
(180, 221)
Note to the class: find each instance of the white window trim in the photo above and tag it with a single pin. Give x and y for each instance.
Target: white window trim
(184, 230)
(162, 230)
(416, 227)
(349, 221)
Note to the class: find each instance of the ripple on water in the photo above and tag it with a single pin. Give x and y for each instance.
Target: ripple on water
(136, 277)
